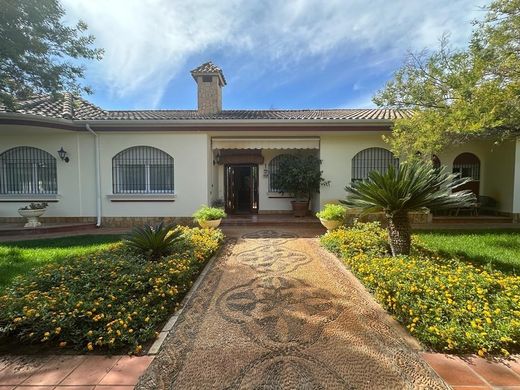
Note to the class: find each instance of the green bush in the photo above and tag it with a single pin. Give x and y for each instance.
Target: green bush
(113, 300)
(449, 304)
(206, 213)
(152, 241)
(332, 212)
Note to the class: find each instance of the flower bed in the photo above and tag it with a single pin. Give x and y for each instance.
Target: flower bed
(113, 300)
(449, 304)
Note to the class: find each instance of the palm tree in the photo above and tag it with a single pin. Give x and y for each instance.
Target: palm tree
(414, 186)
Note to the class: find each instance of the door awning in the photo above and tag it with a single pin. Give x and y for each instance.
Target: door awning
(265, 143)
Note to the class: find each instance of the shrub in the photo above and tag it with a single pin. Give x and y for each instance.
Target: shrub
(152, 241)
(361, 238)
(450, 305)
(113, 300)
(206, 213)
(332, 212)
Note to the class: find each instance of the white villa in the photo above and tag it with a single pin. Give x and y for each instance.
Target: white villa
(122, 167)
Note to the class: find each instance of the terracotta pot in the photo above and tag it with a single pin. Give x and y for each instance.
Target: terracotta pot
(32, 217)
(300, 207)
(209, 223)
(330, 225)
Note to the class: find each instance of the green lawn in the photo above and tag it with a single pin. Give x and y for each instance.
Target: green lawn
(19, 257)
(498, 248)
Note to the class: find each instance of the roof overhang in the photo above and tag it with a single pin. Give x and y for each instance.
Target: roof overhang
(265, 143)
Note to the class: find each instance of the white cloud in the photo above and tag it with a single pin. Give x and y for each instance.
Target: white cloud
(147, 42)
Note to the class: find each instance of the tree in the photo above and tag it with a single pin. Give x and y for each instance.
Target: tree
(414, 186)
(456, 95)
(38, 53)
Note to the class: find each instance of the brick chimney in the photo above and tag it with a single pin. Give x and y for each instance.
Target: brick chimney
(210, 80)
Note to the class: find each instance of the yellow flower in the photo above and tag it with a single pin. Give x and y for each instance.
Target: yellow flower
(90, 347)
(63, 344)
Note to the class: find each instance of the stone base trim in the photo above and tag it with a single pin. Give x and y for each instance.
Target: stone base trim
(139, 221)
(51, 219)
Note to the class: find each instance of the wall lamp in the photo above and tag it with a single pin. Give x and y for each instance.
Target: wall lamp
(63, 155)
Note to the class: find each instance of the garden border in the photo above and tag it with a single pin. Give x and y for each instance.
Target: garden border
(157, 344)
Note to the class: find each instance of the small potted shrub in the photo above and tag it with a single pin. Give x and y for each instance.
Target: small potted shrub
(332, 216)
(209, 217)
(32, 213)
(300, 176)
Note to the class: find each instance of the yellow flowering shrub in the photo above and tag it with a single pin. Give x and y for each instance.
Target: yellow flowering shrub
(112, 300)
(449, 304)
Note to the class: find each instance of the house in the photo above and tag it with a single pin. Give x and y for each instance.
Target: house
(122, 167)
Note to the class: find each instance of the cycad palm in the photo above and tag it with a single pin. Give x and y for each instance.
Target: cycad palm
(413, 186)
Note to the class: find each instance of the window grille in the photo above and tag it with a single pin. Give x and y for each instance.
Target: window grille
(27, 170)
(467, 165)
(142, 170)
(274, 169)
(372, 159)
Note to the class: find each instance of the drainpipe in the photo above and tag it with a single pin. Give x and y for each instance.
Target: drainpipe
(98, 177)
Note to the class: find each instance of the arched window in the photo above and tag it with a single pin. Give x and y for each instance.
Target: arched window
(27, 170)
(142, 170)
(274, 168)
(467, 165)
(372, 159)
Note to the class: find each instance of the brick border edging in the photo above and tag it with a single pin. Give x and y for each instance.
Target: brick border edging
(159, 341)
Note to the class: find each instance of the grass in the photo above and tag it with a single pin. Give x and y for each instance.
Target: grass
(20, 257)
(499, 249)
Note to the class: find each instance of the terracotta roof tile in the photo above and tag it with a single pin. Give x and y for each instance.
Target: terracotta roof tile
(73, 107)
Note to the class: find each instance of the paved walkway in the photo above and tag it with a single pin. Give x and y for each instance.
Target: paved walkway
(278, 312)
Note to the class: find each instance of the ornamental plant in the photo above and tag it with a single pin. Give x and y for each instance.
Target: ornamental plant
(206, 213)
(112, 301)
(153, 241)
(332, 212)
(448, 304)
(413, 186)
(35, 206)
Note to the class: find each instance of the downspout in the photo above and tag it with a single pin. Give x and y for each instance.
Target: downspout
(98, 177)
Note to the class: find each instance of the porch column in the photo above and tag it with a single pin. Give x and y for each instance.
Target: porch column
(516, 187)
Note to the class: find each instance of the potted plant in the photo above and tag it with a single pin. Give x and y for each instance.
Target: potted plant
(332, 216)
(32, 213)
(300, 176)
(209, 217)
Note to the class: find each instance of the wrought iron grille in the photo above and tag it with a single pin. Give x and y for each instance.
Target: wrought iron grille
(27, 170)
(142, 169)
(372, 159)
(467, 165)
(274, 169)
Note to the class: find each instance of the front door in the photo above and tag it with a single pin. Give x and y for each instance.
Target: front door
(241, 188)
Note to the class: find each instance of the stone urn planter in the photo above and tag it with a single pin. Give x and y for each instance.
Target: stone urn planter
(32, 216)
(212, 223)
(330, 224)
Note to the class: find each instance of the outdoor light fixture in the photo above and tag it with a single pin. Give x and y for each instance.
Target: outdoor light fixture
(266, 171)
(63, 155)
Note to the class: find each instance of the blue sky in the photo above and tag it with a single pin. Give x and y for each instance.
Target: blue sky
(274, 53)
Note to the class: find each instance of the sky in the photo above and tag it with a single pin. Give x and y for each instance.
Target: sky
(275, 54)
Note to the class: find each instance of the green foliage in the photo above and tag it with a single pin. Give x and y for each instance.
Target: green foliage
(206, 213)
(456, 95)
(112, 300)
(332, 212)
(38, 52)
(360, 238)
(299, 175)
(21, 257)
(413, 186)
(449, 304)
(152, 241)
(35, 206)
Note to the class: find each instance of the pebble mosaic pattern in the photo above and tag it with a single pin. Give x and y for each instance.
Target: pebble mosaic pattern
(278, 312)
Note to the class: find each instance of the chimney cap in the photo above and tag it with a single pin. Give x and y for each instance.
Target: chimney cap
(209, 68)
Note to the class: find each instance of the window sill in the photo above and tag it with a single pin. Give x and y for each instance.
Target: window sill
(278, 195)
(142, 197)
(50, 198)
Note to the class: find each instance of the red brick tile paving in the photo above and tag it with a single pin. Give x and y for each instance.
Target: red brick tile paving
(126, 371)
(71, 372)
(475, 373)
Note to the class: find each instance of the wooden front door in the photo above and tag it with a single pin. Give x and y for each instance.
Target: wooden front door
(241, 192)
